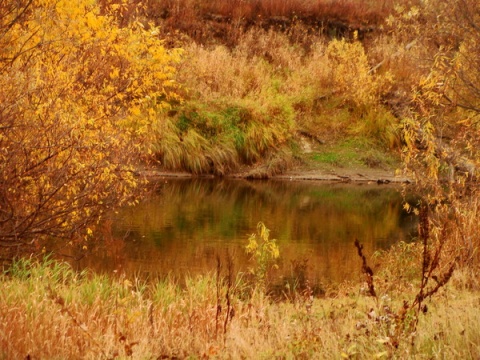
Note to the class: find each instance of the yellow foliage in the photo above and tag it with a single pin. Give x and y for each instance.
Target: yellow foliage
(265, 252)
(351, 75)
(74, 84)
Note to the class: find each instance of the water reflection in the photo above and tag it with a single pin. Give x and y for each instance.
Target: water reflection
(186, 223)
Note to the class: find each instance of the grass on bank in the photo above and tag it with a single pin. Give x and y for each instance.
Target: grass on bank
(355, 153)
(48, 311)
(247, 105)
(245, 101)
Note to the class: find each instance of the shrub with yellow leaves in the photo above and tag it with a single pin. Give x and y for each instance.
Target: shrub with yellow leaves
(79, 93)
(351, 74)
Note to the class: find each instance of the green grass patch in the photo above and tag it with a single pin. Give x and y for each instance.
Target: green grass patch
(218, 137)
(353, 152)
(327, 158)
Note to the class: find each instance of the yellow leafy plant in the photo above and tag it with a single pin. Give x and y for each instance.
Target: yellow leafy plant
(265, 252)
(79, 93)
(351, 74)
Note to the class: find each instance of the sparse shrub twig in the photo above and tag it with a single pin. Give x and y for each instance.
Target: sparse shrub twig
(407, 317)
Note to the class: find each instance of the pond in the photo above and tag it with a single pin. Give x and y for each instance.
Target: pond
(186, 223)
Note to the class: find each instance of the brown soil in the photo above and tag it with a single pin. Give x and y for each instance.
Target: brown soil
(379, 176)
(332, 174)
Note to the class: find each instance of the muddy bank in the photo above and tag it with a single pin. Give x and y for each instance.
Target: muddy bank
(347, 175)
(379, 176)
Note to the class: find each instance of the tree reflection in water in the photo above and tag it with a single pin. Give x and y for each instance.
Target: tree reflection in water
(186, 223)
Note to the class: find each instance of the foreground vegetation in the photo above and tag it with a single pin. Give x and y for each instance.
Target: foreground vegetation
(50, 312)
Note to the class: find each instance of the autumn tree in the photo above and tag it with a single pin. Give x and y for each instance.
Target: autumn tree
(79, 93)
(443, 125)
(442, 128)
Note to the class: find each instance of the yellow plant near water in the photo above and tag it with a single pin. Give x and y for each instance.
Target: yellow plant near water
(264, 252)
(79, 94)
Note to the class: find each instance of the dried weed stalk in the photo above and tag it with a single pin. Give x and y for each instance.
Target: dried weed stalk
(437, 269)
(224, 283)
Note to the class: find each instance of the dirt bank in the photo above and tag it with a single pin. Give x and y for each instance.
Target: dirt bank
(361, 175)
(347, 174)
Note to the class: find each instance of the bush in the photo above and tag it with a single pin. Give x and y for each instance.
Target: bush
(78, 92)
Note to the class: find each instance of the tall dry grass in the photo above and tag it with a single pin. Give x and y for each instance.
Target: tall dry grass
(48, 311)
(246, 104)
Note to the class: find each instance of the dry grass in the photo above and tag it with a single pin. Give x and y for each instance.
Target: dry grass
(245, 105)
(256, 73)
(48, 311)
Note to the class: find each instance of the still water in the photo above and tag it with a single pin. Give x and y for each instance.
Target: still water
(186, 223)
